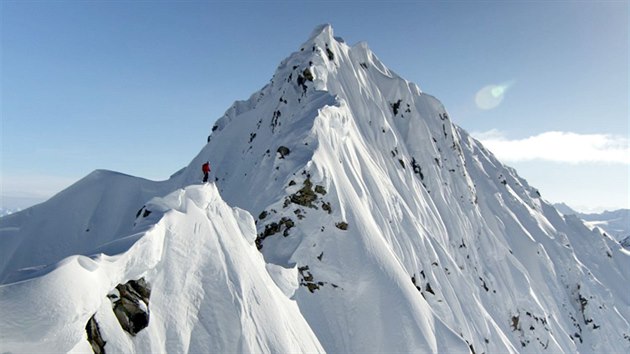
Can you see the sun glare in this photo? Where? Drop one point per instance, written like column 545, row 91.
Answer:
column 491, row 96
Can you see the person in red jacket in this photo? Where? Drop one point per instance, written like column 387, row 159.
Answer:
column 206, row 169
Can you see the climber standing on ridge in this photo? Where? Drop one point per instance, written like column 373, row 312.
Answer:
column 206, row 169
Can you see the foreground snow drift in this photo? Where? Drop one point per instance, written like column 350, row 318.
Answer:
column 211, row 291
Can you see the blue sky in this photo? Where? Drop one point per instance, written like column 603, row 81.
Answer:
column 136, row 86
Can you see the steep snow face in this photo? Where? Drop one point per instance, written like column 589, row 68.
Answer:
column 211, row 291
column 429, row 223
column 400, row 232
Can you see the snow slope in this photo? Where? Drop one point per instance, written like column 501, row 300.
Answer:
column 96, row 210
column 198, row 254
column 423, row 200
column 401, row 231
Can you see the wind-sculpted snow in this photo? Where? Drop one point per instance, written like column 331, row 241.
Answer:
column 423, row 201
column 400, row 231
column 210, row 290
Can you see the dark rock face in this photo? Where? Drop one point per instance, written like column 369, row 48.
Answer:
column 395, row 106
column 273, row 228
column 320, row 189
column 307, row 279
column 307, row 74
column 94, row 336
column 305, row 196
column 283, row 151
column 342, row 225
column 330, row 54
column 132, row 307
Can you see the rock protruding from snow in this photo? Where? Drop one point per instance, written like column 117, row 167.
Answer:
column 131, row 305
column 94, row 336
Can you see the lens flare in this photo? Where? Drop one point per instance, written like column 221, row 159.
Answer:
column 491, row 96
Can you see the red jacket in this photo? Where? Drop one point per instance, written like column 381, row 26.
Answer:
column 205, row 167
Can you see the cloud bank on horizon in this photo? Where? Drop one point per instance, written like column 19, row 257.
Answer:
column 558, row 146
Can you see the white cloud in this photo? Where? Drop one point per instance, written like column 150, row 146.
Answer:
column 558, row 146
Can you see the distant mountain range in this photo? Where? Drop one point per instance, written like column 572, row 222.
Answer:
column 12, row 204
column 7, row 211
column 615, row 223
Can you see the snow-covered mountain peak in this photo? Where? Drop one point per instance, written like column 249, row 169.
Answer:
column 397, row 178
column 321, row 34
column 388, row 226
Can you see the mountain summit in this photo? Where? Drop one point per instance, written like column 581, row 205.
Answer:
column 347, row 213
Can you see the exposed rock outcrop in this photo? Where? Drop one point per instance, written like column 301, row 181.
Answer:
column 94, row 336
column 283, row 151
column 131, row 305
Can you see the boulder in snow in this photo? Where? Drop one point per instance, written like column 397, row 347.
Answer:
column 132, row 305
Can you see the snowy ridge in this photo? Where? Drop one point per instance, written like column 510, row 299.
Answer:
column 201, row 261
column 384, row 227
column 98, row 209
